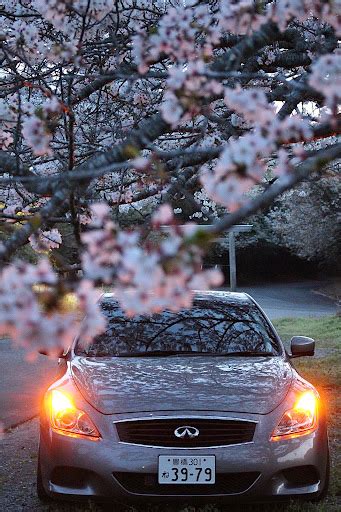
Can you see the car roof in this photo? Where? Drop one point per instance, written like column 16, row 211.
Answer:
column 221, row 296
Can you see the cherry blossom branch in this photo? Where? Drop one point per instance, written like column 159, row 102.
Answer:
column 21, row 235
column 313, row 164
column 149, row 130
column 232, row 59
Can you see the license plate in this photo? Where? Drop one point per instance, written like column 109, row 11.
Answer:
column 186, row 469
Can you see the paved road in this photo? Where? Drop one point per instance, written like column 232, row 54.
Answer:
column 22, row 382
column 291, row 299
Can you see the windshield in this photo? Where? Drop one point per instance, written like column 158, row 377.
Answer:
column 209, row 328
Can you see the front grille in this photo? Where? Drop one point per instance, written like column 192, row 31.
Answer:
column 147, row 483
column 160, row 432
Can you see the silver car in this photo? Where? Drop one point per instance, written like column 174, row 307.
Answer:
column 203, row 404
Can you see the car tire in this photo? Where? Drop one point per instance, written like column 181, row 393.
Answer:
column 41, row 493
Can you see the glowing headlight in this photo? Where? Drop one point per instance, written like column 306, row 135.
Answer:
column 67, row 419
column 298, row 421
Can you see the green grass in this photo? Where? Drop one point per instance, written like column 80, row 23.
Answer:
column 323, row 371
column 325, row 330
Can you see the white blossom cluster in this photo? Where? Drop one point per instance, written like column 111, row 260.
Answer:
column 178, row 29
column 22, row 315
column 57, row 11
column 242, row 164
column 36, row 129
column 7, row 119
column 326, row 78
column 184, row 88
column 177, row 37
column 147, row 277
column 43, row 241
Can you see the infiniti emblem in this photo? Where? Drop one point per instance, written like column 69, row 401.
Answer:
column 186, row 430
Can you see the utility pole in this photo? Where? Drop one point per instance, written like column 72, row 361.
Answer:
column 237, row 228
column 232, row 262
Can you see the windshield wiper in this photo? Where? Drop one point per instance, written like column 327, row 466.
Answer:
column 163, row 353
column 249, row 353
column 167, row 353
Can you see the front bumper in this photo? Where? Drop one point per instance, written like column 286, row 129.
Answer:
column 75, row 468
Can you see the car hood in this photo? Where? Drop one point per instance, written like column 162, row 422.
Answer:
column 182, row 383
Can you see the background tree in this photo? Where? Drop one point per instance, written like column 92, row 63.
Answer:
column 319, row 239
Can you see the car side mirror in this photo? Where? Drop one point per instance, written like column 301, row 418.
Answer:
column 61, row 355
column 302, row 346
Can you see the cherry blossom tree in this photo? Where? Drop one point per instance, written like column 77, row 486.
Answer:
column 318, row 240
column 107, row 104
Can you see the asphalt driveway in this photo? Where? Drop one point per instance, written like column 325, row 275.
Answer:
column 22, row 383
column 291, row 299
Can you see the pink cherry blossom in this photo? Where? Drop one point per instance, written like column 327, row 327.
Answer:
column 326, row 77
column 37, row 136
column 164, row 215
column 147, row 278
column 22, row 315
column 36, row 129
column 250, row 103
column 43, row 241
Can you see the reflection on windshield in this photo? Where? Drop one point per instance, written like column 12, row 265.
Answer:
column 210, row 327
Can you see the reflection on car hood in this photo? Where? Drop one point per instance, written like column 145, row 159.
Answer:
column 182, row 383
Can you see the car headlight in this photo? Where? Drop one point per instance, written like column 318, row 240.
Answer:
column 67, row 419
column 298, row 421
